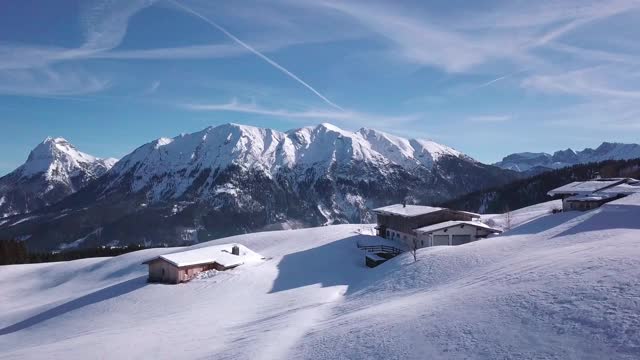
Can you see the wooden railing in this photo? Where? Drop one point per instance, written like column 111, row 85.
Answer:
column 381, row 249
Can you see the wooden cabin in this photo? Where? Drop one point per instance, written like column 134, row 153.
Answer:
column 183, row 266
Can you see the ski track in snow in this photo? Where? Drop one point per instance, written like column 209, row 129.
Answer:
column 562, row 286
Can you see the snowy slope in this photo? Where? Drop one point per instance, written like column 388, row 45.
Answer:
column 521, row 216
column 606, row 151
column 563, row 286
column 53, row 170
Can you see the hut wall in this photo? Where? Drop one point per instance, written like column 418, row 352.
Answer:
column 162, row 271
column 406, row 225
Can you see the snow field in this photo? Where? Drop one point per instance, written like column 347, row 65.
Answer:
column 558, row 286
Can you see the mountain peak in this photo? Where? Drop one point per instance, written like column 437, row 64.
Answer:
column 54, row 169
column 54, row 140
column 58, row 159
column 329, row 126
column 569, row 157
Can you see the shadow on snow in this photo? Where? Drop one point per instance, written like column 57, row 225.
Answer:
column 336, row 263
column 611, row 217
column 89, row 299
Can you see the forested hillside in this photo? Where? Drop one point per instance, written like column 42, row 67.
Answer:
column 533, row 190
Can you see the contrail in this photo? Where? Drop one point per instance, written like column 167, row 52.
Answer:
column 256, row 52
column 498, row 79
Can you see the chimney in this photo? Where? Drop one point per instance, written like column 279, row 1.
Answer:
column 235, row 250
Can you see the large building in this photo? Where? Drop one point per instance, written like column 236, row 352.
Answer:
column 591, row 194
column 422, row 226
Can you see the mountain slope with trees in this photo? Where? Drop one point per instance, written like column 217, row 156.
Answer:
column 533, row 190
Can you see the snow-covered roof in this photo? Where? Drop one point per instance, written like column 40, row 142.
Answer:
column 448, row 224
column 586, row 187
column 408, row 210
column 631, row 200
column 598, row 196
column 416, row 210
column 622, row 189
column 220, row 254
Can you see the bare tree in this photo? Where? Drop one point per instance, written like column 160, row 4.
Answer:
column 413, row 247
column 508, row 219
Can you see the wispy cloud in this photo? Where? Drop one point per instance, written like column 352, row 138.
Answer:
column 153, row 87
column 466, row 41
column 352, row 117
column 106, row 22
column 599, row 81
column 105, row 25
column 28, row 70
column 488, row 119
column 49, row 82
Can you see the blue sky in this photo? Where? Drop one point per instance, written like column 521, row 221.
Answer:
column 488, row 78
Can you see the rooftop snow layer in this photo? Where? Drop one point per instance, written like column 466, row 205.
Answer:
column 624, row 189
column 585, row 187
column 408, row 210
column 591, row 197
column 631, row 200
column 448, row 224
column 220, row 254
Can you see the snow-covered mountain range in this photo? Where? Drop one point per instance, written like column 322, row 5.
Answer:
column 232, row 179
column 53, row 170
column 167, row 168
column 538, row 162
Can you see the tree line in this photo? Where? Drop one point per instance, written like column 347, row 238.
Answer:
column 533, row 190
column 17, row 252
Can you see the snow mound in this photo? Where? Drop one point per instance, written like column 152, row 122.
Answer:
column 558, row 286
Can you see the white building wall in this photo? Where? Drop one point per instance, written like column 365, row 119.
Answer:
column 401, row 237
column 425, row 240
column 474, row 233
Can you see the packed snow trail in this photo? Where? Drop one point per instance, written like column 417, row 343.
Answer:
column 559, row 286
